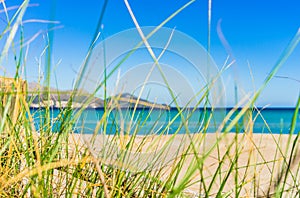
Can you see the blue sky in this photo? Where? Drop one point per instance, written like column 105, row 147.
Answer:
column 257, row 32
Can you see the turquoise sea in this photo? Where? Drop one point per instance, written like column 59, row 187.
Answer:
column 146, row 121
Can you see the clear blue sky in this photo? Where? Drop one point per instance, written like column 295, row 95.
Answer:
column 257, row 32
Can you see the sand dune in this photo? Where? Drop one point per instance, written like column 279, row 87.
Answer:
column 259, row 161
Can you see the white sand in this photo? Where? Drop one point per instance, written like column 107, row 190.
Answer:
column 260, row 159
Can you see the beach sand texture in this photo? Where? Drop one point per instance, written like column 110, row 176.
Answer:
column 259, row 160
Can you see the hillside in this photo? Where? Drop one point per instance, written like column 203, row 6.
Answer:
column 37, row 97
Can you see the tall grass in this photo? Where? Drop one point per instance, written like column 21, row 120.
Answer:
column 38, row 162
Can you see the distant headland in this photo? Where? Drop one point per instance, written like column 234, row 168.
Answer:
column 38, row 96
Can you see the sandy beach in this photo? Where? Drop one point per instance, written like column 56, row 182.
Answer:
column 259, row 162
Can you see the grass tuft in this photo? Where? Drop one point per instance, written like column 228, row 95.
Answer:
column 46, row 157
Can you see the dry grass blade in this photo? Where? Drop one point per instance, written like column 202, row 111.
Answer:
column 42, row 156
column 101, row 175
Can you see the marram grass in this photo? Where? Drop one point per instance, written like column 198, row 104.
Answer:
column 41, row 163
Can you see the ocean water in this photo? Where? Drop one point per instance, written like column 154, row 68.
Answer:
column 156, row 121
